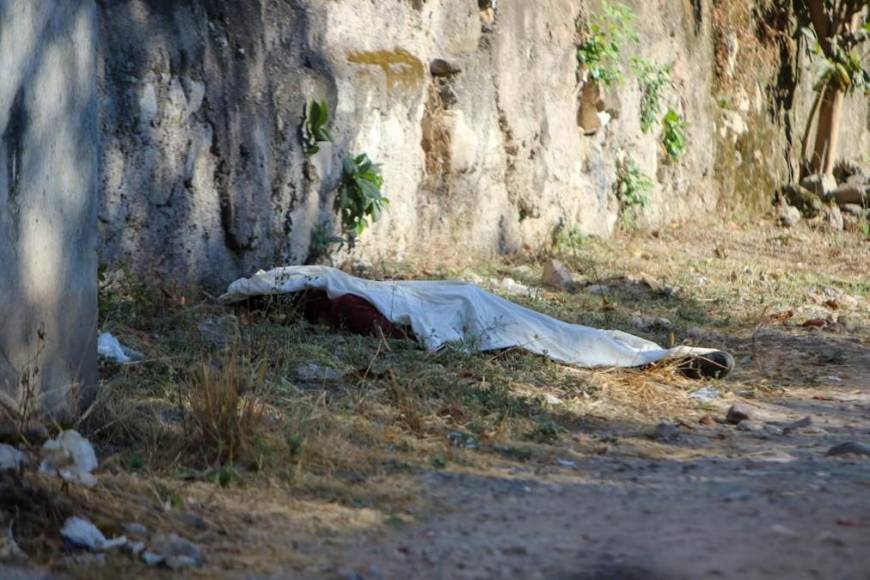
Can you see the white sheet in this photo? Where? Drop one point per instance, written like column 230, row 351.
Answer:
column 446, row 312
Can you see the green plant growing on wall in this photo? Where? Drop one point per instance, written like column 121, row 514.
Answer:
column 322, row 241
column 360, row 200
column 570, row 241
column 674, row 135
column 605, row 36
column 632, row 190
column 314, row 129
column 653, row 81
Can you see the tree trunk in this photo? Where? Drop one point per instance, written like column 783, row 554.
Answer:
column 827, row 131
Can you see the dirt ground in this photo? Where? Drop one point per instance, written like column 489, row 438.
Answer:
column 401, row 464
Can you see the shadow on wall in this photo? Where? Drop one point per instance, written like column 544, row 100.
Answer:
column 201, row 164
column 48, row 160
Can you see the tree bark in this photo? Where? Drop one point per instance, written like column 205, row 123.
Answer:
column 827, row 130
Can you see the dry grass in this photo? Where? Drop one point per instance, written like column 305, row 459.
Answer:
column 215, row 422
column 224, row 409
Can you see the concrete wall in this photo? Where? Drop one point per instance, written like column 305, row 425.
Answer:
column 203, row 178
column 48, row 202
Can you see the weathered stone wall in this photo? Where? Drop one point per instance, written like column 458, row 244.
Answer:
column 48, row 202
column 203, row 177
column 764, row 95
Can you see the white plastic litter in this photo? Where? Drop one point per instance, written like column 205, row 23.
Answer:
column 71, row 456
column 11, row 459
column 110, row 347
column 552, row 399
column 512, row 288
column 705, row 395
column 81, row 533
column 445, row 312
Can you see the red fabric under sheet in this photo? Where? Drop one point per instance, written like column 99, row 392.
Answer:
column 349, row 312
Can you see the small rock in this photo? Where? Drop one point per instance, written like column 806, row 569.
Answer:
column 828, row 538
column 193, row 520
column 738, row 413
column 313, row 372
column 788, row 216
column 801, row 424
column 174, row 552
column 750, row 426
column 463, row 440
column 852, row 209
column 820, row 185
column 773, row 430
column 707, row 420
column 807, row 202
column 135, row 530
column 666, row 433
column 556, row 275
column 651, row 283
column 136, row 548
column 440, row 67
column 849, row 448
column 152, row 559
column 597, row 289
column 833, row 218
column 518, row 550
column 737, row 495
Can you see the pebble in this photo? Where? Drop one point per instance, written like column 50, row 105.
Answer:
column 666, row 433
column 849, row 448
column 738, row 413
column 801, row 424
column 136, row 548
column 707, row 420
column 556, row 275
column 173, row 551
column 440, row 67
column 750, row 426
column 788, row 216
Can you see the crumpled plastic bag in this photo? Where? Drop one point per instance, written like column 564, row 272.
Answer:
column 111, row 348
column 71, row 456
column 81, row 533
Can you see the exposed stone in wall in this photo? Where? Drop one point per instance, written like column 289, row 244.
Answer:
column 203, row 175
column 48, row 203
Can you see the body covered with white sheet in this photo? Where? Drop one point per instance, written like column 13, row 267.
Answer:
column 447, row 312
